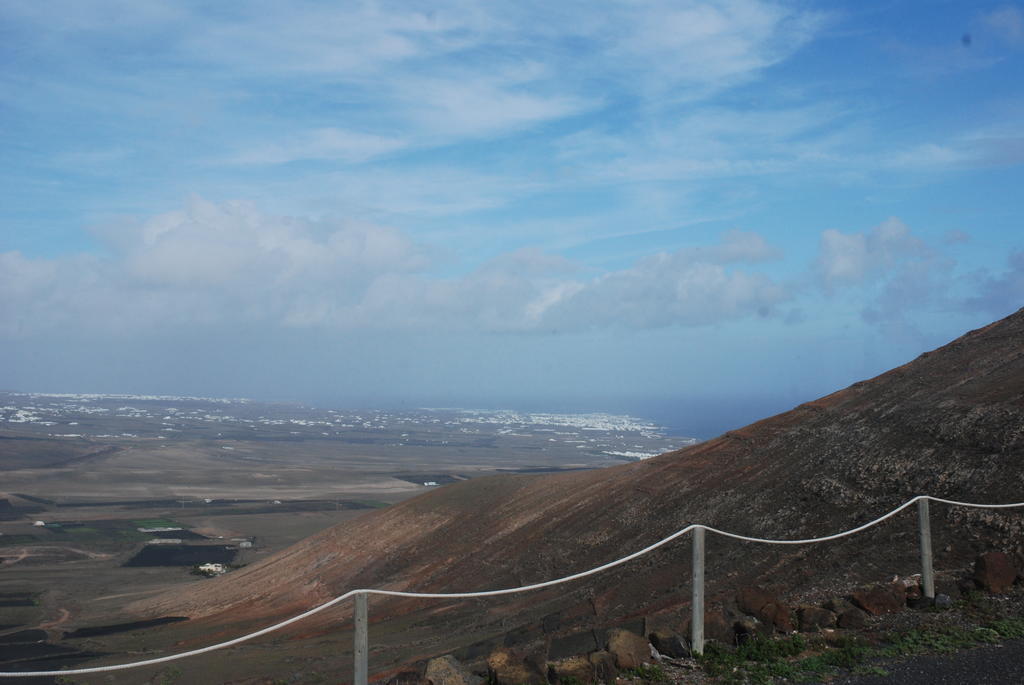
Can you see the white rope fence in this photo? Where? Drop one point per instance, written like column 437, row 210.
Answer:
column 697, row 529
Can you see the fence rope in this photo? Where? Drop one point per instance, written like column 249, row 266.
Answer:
column 492, row 593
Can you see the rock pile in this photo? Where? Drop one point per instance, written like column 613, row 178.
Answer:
column 755, row 612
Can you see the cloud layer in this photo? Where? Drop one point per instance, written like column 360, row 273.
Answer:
column 231, row 265
column 210, row 263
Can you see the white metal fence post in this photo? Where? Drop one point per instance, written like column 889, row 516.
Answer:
column 361, row 642
column 925, row 526
column 697, row 606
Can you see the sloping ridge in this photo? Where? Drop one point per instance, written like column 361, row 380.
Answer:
column 949, row 424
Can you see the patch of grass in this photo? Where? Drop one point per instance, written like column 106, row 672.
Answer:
column 648, row 672
column 765, row 661
column 945, row 639
column 759, row 661
column 846, row 654
column 760, row 650
column 1008, row 628
column 870, row 670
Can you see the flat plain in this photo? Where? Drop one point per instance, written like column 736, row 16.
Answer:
column 105, row 499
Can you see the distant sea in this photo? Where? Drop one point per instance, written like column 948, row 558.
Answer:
column 691, row 417
column 706, row 418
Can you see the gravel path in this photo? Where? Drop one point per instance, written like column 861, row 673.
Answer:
column 995, row 665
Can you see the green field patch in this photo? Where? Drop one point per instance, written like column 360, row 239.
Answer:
column 132, row 534
column 156, row 523
column 6, row 540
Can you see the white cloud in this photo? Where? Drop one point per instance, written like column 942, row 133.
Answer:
column 851, row 258
column 983, row 147
column 476, row 105
column 209, row 263
column 320, row 144
column 713, row 44
column 1007, row 23
column 706, row 142
column 999, row 294
column 666, row 290
column 928, row 156
column 895, row 275
column 228, row 264
column 453, row 67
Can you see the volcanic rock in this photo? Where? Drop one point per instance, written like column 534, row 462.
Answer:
column 511, row 667
column 994, row 572
column 629, row 649
column 880, row 599
column 767, row 608
column 669, row 644
column 837, row 605
column 573, row 669
column 814, row 618
column 717, row 626
column 852, row 619
column 445, row 670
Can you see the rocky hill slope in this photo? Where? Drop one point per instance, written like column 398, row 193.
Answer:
column 950, row 424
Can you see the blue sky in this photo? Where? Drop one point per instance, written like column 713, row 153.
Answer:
column 672, row 207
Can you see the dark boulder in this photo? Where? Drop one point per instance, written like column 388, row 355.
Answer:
column 717, row 626
column 852, row 619
column 669, row 644
column 837, row 605
column 880, row 599
column 766, row 607
column 994, row 572
column 812, row 619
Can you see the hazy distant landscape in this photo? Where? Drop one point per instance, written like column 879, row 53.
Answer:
column 107, row 498
column 127, row 417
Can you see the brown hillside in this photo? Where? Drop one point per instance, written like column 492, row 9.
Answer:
column 950, row 423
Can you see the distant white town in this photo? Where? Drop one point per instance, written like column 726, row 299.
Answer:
column 160, row 417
